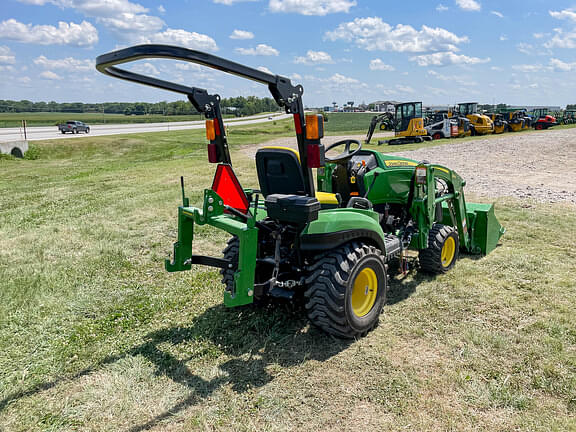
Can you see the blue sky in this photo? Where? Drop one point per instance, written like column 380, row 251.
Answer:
column 439, row 51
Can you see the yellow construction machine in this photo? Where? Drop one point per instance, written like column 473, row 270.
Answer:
column 500, row 124
column 480, row 124
column 409, row 124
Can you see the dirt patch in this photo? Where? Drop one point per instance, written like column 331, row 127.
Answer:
column 537, row 165
column 533, row 166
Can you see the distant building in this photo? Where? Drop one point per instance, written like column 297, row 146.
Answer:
column 383, row 106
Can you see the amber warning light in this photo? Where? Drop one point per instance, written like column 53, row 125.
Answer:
column 314, row 127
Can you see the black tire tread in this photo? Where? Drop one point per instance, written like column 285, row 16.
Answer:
column 430, row 258
column 327, row 281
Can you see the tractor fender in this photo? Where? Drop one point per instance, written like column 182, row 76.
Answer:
column 335, row 227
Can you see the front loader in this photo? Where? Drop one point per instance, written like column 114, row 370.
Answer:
column 327, row 245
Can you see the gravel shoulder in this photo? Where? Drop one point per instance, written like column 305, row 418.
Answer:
column 530, row 166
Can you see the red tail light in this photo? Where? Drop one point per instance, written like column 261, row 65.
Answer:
column 212, row 153
column 314, row 156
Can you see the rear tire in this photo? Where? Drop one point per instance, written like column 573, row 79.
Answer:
column 437, row 136
column 87, row 130
column 347, row 290
column 442, row 251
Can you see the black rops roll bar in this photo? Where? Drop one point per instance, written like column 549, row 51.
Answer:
column 284, row 93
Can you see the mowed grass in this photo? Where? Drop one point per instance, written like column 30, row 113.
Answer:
column 96, row 336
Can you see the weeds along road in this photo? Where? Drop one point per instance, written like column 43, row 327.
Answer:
column 51, row 132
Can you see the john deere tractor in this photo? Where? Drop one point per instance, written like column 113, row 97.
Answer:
column 327, row 245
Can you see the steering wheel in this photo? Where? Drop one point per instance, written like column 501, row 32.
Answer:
column 347, row 153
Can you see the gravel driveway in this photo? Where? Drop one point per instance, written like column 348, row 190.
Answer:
column 527, row 165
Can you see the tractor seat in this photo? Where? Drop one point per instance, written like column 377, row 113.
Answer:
column 280, row 172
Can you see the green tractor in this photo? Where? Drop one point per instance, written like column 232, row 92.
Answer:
column 328, row 246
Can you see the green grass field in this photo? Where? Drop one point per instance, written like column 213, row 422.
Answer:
column 347, row 122
column 96, row 336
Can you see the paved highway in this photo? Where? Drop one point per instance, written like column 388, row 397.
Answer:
column 51, row 132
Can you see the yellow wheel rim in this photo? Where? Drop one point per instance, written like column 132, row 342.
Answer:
column 448, row 252
column 364, row 292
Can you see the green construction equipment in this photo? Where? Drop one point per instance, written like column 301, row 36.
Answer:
column 327, row 244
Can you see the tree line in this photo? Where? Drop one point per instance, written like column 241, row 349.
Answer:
column 239, row 106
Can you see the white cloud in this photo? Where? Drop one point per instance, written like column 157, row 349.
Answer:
column 560, row 66
column 82, row 35
column 442, row 8
column 503, row 37
column 183, row 38
column 525, row 48
column 146, row 69
column 498, row 14
column 49, row 75
column 526, row 68
column 562, row 39
column 447, row 58
column 264, row 69
column 567, row 14
column 378, row 64
column 468, row 5
column 69, row 64
column 231, row 2
column 314, row 57
column 188, row 67
column 126, row 23
column 341, row 79
column 120, row 16
column 260, row 50
column 311, row 7
column 374, row 34
column 6, row 56
column 459, row 79
column 496, row 68
column 241, row 34
column 94, row 8
column 161, row 9
column 405, row 89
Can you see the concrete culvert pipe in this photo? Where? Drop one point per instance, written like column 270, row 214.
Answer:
column 14, row 148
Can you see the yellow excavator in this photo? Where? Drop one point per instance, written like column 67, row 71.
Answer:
column 480, row 124
column 409, row 124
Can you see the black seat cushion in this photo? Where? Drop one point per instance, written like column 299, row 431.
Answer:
column 279, row 172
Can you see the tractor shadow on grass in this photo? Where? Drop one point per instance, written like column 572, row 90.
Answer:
column 253, row 338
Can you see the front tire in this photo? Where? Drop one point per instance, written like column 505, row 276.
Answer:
column 347, row 290
column 442, row 251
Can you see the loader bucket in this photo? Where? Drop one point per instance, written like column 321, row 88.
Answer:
column 485, row 230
